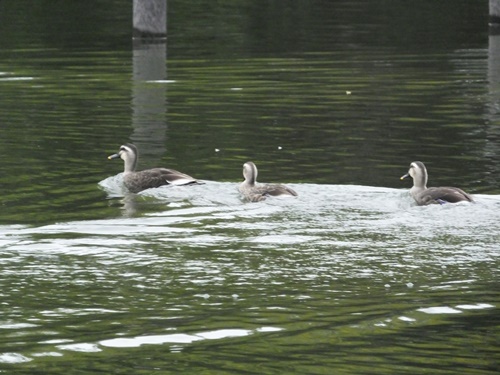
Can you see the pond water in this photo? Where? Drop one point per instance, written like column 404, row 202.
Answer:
column 335, row 99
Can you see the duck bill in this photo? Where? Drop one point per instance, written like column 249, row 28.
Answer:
column 404, row 176
column 114, row 156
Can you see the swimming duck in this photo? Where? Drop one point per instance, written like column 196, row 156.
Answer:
column 255, row 192
column 149, row 178
column 424, row 195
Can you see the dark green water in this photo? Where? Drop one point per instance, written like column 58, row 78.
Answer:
column 333, row 98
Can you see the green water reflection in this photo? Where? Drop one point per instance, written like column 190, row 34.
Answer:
column 313, row 119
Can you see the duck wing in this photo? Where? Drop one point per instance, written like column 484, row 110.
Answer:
column 444, row 195
column 259, row 192
column 277, row 190
column 156, row 177
column 174, row 177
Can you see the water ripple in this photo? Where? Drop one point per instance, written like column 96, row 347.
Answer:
column 349, row 258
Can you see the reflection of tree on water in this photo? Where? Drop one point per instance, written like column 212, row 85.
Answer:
column 149, row 72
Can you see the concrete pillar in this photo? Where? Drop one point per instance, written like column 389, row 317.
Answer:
column 150, row 18
column 495, row 12
column 494, row 52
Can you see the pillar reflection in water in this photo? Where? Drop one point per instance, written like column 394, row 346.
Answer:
column 493, row 108
column 149, row 100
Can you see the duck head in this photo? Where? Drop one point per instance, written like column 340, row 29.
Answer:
column 418, row 172
column 129, row 154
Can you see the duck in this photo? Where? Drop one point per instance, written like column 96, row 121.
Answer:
column 137, row 181
column 434, row 195
column 255, row 192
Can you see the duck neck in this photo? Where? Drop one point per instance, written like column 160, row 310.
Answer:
column 422, row 182
column 252, row 176
column 419, row 184
column 130, row 165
